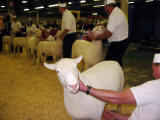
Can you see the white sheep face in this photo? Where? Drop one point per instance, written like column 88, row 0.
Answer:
column 67, row 72
column 98, row 30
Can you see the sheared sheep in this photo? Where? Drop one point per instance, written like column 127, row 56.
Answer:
column 7, row 40
column 33, row 43
column 49, row 49
column 19, row 42
column 91, row 51
column 105, row 75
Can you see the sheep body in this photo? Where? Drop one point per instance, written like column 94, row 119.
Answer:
column 33, row 44
column 91, row 51
column 19, row 42
column 50, row 49
column 105, row 75
column 7, row 40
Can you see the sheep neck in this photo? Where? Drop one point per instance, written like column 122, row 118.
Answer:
column 97, row 44
column 59, row 44
column 97, row 47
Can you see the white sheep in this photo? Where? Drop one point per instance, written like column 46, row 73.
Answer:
column 105, row 75
column 51, row 38
column 33, row 43
column 49, row 49
column 91, row 51
column 7, row 40
column 19, row 42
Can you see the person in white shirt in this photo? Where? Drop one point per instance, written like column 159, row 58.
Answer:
column 31, row 28
column 16, row 27
column 116, row 32
column 145, row 96
column 68, row 29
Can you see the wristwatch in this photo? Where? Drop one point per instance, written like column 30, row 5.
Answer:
column 88, row 90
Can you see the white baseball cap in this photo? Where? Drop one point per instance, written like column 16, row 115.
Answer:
column 107, row 2
column 156, row 58
column 63, row 5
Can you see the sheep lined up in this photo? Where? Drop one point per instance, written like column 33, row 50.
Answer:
column 46, row 48
column 19, row 42
column 33, row 44
column 7, row 40
column 91, row 51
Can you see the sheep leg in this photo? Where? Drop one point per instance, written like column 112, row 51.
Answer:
column 39, row 58
column 10, row 48
column 3, row 46
column 29, row 52
column 44, row 59
column 14, row 51
column 34, row 55
column 54, row 59
column 18, row 49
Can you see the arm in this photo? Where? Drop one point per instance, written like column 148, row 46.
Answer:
column 64, row 33
column 125, row 97
column 102, row 36
column 107, row 34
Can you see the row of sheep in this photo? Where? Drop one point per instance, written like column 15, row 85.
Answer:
column 34, row 46
column 39, row 50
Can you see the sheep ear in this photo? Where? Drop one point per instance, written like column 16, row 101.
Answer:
column 78, row 60
column 50, row 66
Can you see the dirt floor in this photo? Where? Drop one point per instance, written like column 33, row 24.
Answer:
column 29, row 92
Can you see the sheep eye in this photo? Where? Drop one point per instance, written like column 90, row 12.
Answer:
column 57, row 71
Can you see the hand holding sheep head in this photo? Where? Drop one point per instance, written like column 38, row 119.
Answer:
column 67, row 72
column 98, row 30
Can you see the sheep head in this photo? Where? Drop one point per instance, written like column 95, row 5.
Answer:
column 98, row 30
column 67, row 72
column 38, row 33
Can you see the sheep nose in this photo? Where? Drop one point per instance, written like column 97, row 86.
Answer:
column 73, row 87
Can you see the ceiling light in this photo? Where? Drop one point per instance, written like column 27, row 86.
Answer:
column 70, row 3
column 82, row 1
column 149, row 0
column 27, row 9
column 94, row 13
column 41, row 7
column 55, row 5
column 2, row 6
column 131, row 2
column 24, row 1
column 98, row 6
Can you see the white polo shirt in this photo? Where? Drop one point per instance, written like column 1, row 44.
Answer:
column 148, row 101
column 16, row 27
column 68, row 22
column 31, row 30
column 118, row 25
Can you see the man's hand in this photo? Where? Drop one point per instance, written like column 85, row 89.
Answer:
column 82, row 86
column 108, row 115
column 61, row 36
